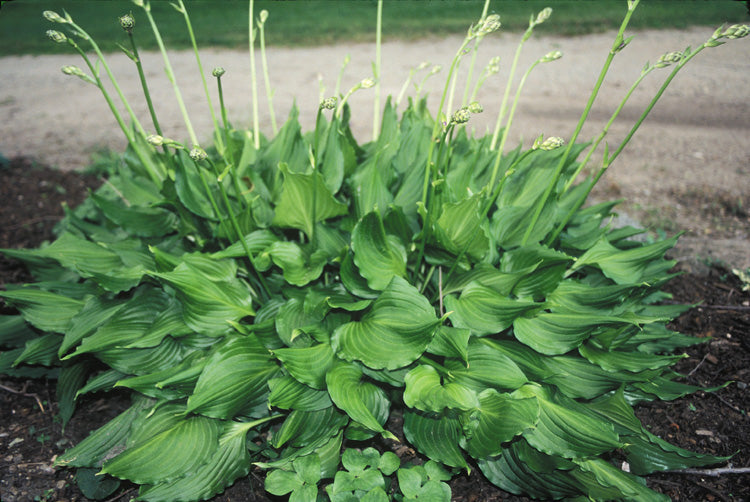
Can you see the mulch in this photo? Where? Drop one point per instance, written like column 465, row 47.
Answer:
column 31, row 434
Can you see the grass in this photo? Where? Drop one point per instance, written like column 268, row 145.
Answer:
column 315, row 22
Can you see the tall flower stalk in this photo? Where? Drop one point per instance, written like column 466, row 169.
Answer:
column 262, row 17
column 619, row 44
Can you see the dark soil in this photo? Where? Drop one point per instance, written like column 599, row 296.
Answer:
column 715, row 423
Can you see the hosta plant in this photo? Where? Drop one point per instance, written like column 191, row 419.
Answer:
column 278, row 300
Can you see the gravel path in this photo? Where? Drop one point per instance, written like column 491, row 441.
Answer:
column 688, row 167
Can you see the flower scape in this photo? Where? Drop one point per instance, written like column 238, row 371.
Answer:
column 274, row 300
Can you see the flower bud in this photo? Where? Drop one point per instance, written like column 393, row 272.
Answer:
column 263, row 16
column 367, row 83
column 551, row 56
column 491, row 23
column 423, row 65
column 127, row 22
column 475, row 107
column 668, row 58
column 155, row 140
column 551, row 143
column 77, row 72
column 461, row 116
column 218, row 72
column 54, row 17
column 328, row 103
column 435, row 69
column 56, row 36
column 198, row 154
column 543, row 15
column 736, row 31
column 138, row 3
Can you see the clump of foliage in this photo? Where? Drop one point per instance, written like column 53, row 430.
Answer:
column 274, row 301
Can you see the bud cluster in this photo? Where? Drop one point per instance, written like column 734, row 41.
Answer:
column 733, row 32
column 669, row 58
column 329, row 103
column 462, row 115
column 127, row 22
column 263, row 16
column 543, row 15
column 198, row 154
column 56, row 36
column 367, row 83
column 487, row 25
column 551, row 56
column 218, row 72
column 493, row 66
column 54, row 17
column 77, row 72
column 551, row 143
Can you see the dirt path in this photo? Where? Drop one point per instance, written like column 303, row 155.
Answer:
column 688, row 168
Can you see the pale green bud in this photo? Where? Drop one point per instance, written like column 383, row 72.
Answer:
column 736, row 31
column 461, row 116
column 54, row 17
column 367, row 83
column 56, row 36
column 551, row 143
column 138, row 3
column 491, row 23
column 155, row 140
column 127, row 22
column 551, row 56
column 198, row 154
column 543, row 15
column 475, row 107
column 263, row 16
column 423, row 65
column 77, row 72
column 218, row 72
column 329, row 103
column 435, row 69
column 668, row 58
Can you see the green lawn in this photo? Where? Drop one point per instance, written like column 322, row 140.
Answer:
column 224, row 22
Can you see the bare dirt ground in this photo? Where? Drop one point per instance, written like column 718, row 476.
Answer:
column 687, row 168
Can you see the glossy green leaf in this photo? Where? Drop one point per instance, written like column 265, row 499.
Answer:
column 378, row 257
column 288, row 393
column 350, row 393
column 142, row 221
column 305, row 200
column 308, row 365
column 425, row 391
column 393, row 334
column 299, row 266
column 486, row 367
column 484, row 311
column 234, row 379
column 459, row 227
column 208, row 306
column 498, row 419
column 436, row 436
column 43, row 309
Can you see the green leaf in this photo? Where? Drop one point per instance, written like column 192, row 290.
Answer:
column 309, row 365
column 484, row 311
column 618, row 361
column 486, row 367
column 142, row 221
column 41, row 350
column 394, row 333
column 72, row 378
column 437, row 437
column 425, row 391
column 353, row 395
column 305, row 200
column 288, row 393
column 43, row 309
column 229, row 461
column 608, row 476
column 105, row 442
column 498, row 419
column 95, row 487
column 169, row 454
column 301, row 428
column 208, row 306
column 379, row 257
column 190, row 188
column 566, row 431
column 234, row 379
column 298, row 265
column 459, row 227
column 624, row 267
